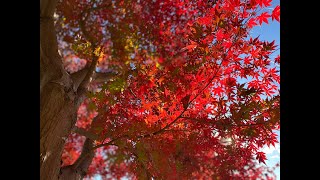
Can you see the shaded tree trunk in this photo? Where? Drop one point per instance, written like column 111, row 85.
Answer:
column 79, row 169
column 59, row 100
column 60, row 97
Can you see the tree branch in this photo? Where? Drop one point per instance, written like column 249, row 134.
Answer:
column 197, row 120
column 100, row 77
column 82, row 88
column 97, row 77
column 83, row 162
column 80, row 167
column 111, row 142
column 78, row 77
column 85, row 133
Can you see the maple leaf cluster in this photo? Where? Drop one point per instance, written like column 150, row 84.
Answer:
column 176, row 108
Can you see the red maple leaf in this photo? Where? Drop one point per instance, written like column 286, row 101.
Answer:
column 276, row 13
column 247, row 60
column 204, row 20
column 261, row 157
column 220, row 35
column 190, row 47
column 265, row 3
column 227, row 44
column 272, row 140
column 255, row 53
column 218, row 91
column 263, row 17
column 252, row 22
column 277, row 59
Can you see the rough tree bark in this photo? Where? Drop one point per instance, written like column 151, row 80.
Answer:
column 60, row 97
column 58, row 101
column 79, row 169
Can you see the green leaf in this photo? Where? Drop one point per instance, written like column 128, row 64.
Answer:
column 117, row 85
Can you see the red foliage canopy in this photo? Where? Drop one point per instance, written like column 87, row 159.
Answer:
column 176, row 108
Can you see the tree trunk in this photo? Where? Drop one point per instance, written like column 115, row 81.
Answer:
column 58, row 100
column 57, row 117
column 60, row 97
column 79, row 169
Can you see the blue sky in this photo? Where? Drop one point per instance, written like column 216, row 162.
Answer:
column 271, row 32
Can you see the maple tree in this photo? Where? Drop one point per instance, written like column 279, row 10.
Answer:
column 150, row 89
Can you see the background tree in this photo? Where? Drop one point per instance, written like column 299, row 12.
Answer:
column 150, row 89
